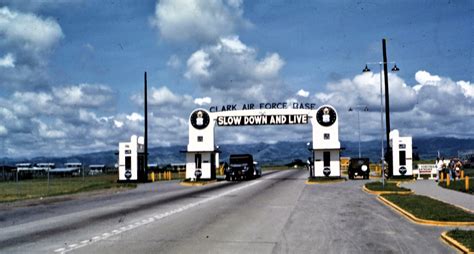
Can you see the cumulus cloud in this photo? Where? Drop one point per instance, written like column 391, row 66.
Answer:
column 29, row 39
column 302, row 93
column 162, row 96
column 435, row 106
column 234, row 69
column 202, row 101
column 201, row 20
column 28, row 30
column 7, row 61
column 364, row 89
column 84, row 95
column 135, row 117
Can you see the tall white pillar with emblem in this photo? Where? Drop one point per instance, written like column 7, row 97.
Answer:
column 326, row 145
column 201, row 153
column 130, row 159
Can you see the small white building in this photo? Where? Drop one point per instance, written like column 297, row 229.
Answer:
column 401, row 154
column 131, row 159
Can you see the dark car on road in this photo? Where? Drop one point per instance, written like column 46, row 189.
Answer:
column 241, row 167
column 359, row 167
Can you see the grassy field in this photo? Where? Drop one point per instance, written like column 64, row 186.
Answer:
column 459, row 185
column 389, row 186
column 36, row 188
column 466, row 237
column 429, row 209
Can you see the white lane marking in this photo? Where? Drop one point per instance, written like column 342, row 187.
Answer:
column 149, row 220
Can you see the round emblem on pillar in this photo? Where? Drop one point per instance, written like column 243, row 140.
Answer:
column 199, row 119
column 326, row 171
column 326, row 116
column 402, row 171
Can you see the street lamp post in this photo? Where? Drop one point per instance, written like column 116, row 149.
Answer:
column 358, row 108
column 387, row 112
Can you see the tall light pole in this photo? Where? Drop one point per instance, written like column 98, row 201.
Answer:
column 145, row 102
column 358, row 108
column 387, row 111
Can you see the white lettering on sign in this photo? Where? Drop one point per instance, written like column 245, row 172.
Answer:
column 262, row 120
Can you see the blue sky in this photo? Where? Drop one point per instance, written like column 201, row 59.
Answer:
column 71, row 71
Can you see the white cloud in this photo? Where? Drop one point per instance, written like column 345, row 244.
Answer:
column 467, row 88
column 47, row 132
column 201, row 20
column 28, row 30
column 163, row 95
column 3, row 130
column 135, row 117
column 7, row 61
column 270, row 66
column 118, row 124
column 29, row 39
column 436, row 106
column 232, row 69
column 424, row 77
column 203, row 101
column 302, row 93
column 198, row 65
column 84, row 95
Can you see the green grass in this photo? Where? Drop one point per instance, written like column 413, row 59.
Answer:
column 427, row 208
column 469, row 172
column 465, row 237
column 36, row 188
column 389, row 186
column 459, row 185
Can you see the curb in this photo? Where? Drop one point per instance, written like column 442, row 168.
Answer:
column 328, row 182
column 454, row 243
column 197, row 183
column 417, row 220
column 386, row 192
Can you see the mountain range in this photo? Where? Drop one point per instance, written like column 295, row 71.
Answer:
column 270, row 154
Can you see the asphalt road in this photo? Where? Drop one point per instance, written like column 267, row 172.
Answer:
column 277, row 213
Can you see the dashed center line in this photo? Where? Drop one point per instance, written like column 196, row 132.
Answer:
column 149, row 220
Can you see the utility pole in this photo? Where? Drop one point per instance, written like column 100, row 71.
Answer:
column 387, row 107
column 145, row 168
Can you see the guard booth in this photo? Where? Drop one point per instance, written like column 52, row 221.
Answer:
column 402, row 163
column 131, row 160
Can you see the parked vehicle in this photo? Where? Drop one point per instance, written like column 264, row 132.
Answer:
column 257, row 170
column 241, row 167
column 359, row 167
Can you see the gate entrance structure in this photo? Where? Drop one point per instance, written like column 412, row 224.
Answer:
column 202, row 154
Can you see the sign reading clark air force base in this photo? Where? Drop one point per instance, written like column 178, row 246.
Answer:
column 202, row 152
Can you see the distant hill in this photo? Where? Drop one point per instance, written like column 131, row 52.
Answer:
column 279, row 153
